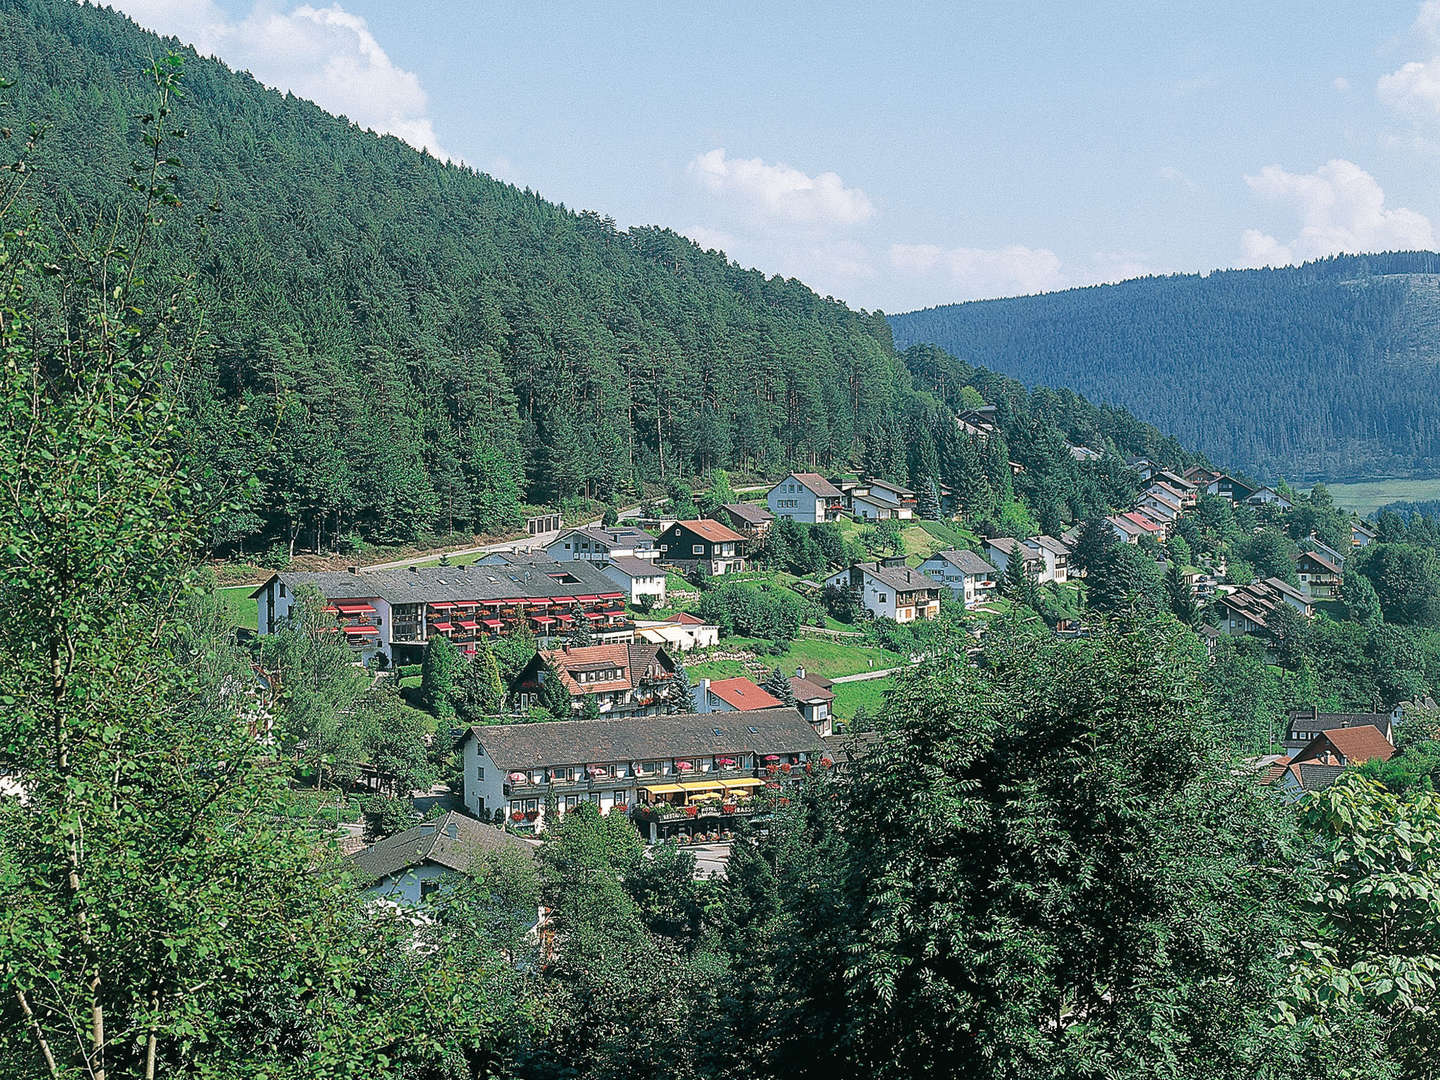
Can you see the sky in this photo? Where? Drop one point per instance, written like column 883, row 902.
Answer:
column 901, row 155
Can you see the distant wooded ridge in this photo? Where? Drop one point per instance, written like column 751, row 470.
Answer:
column 1327, row 371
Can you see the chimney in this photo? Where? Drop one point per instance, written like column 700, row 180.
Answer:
column 452, row 830
column 353, row 569
column 799, row 673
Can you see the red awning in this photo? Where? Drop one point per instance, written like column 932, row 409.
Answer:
column 332, row 609
column 587, row 599
column 612, row 596
column 613, row 611
column 444, row 605
column 562, row 599
column 543, row 620
column 355, row 609
column 593, row 615
column 443, row 627
column 565, row 617
column 360, row 631
column 540, row 601
column 469, row 624
column 493, row 603
column 493, row 624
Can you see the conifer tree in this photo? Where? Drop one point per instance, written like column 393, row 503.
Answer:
column 439, row 670
column 777, row 685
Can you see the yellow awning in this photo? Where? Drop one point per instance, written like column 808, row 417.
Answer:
column 751, row 782
column 700, row 785
column 662, row 789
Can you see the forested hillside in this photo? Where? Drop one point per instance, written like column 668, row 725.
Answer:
column 1325, row 371
column 395, row 347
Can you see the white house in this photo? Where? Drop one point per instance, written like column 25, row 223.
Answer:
column 1159, row 505
column 411, row 865
column 1054, row 558
column 618, row 765
column 1268, row 496
column 806, row 497
column 595, row 544
column 815, row 698
column 679, row 633
column 640, row 578
column 880, row 500
column 969, row 577
column 889, row 591
column 1361, row 534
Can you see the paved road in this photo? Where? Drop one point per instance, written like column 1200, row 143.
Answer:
column 866, row 675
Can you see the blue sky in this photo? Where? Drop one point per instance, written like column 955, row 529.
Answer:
column 901, row 155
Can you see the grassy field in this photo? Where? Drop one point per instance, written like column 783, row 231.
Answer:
column 1367, row 496
column 868, row 692
column 825, row 658
column 245, row 610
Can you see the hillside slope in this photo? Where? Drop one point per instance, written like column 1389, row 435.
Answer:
column 1328, row 370
column 396, row 345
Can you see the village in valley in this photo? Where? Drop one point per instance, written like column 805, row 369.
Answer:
column 680, row 672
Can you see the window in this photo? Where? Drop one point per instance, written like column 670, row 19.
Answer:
column 754, row 731
column 480, row 774
column 882, row 597
column 697, row 549
column 428, row 887
column 282, row 590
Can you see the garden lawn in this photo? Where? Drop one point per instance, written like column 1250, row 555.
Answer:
column 244, row 610
column 828, row 659
column 869, row 693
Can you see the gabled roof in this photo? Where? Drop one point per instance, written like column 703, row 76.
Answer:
column 1164, row 497
column 1170, row 489
column 810, row 692
column 886, row 485
column 900, row 578
column 1050, row 544
column 964, row 560
column 749, row 513
column 1143, row 522
column 1010, row 546
column 740, row 693
column 431, row 842
column 818, row 484
column 1258, row 600
column 633, row 567
column 430, row 584
column 849, row 746
column 1321, row 561
column 684, row 618
column 1313, row 720
column 645, row 738
column 620, row 536
column 713, row 531
column 1363, row 529
column 1346, row 746
column 634, row 660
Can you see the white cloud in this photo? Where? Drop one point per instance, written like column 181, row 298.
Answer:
column 710, row 239
column 1414, row 87
column 977, row 272
column 326, row 54
column 1341, row 83
column 782, row 193
column 1340, row 207
column 1173, row 175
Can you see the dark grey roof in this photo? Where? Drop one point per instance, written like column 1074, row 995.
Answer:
column 1315, row 776
column 1050, row 544
column 618, row 536
column 630, row 566
column 807, row 691
column 847, row 746
column 427, row 584
column 1308, row 720
column 901, row 579
column 964, row 560
column 646, row 738
column 430, row 841
column 749, row 512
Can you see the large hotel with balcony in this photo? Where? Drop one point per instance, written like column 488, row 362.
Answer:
column 689, row 777
column 393, row 613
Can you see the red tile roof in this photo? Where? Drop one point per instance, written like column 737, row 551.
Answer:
column 1349, row 746
column 713, row 531
column 741, row 693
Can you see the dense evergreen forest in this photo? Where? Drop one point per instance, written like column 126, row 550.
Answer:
column 394, row 346
column 1324, row 371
